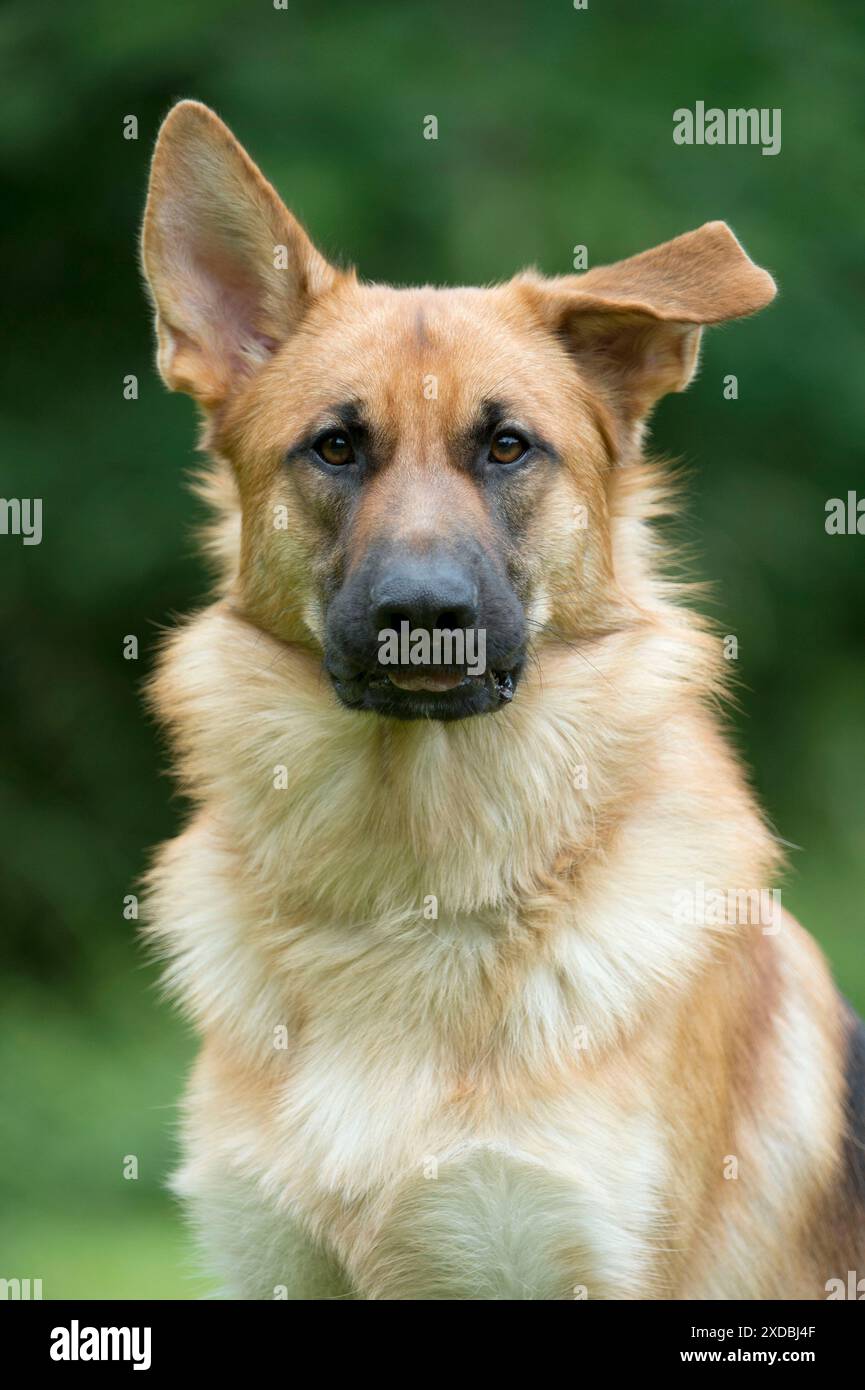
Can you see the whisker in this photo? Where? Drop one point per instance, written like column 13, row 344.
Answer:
column 544, row 628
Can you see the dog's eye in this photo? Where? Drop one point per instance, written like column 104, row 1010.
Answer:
column 507, row 447
column 334, row 448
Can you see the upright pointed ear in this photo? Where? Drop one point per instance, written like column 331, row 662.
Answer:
column 634, row 327
column 230, row 270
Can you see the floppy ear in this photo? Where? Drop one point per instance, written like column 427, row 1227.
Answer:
column 230, row 270
column 635, row 326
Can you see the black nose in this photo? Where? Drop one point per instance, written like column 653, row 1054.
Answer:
column 427, row 594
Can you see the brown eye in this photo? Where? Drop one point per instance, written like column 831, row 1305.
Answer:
column 335, row 448
column 507, row 447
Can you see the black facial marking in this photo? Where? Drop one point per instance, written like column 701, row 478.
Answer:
column 347, row 416
column 854, row 1109
column 502, row 416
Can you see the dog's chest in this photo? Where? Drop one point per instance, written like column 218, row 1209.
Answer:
column 489, row 1220
column 470, row 1196
column 437, row 1149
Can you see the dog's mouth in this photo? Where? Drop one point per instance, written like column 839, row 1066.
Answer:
column 427, row 692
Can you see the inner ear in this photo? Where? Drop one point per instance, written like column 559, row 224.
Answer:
column 634, row 327
column 634, row 359
column 231, row 271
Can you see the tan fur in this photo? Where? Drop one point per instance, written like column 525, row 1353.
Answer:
column 535, row 1093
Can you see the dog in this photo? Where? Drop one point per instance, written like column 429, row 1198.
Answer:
column 469, row 1028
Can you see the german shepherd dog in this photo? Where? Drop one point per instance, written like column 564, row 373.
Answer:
column 484, row 1012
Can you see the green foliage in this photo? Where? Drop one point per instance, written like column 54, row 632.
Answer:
column 554, row 129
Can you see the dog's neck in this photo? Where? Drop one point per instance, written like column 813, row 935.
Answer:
column 364, row 815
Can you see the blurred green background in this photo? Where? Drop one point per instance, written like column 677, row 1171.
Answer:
column 555, row 128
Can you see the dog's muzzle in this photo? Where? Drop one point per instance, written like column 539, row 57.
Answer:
column 436, row 636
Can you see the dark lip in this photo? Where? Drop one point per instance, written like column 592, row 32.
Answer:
column 373, row 693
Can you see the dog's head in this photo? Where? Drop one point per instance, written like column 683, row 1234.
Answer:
column 424, row 474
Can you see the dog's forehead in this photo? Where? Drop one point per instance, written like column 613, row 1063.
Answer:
column 421, row 366
column 426, row 316
column 391, row 349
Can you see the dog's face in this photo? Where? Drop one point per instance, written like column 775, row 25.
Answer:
column 413, row 462
column 424, row 474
